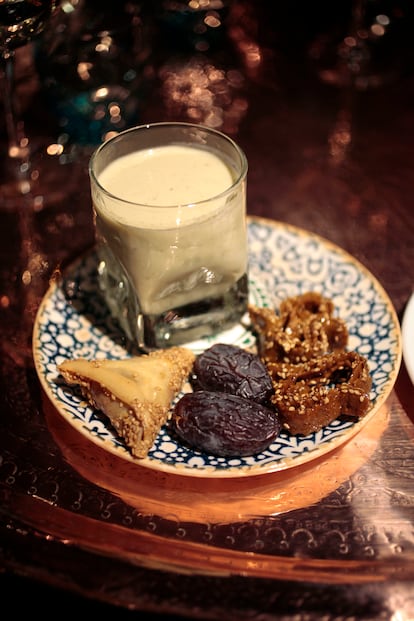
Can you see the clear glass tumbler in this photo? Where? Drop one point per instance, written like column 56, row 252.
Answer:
column 170, row 211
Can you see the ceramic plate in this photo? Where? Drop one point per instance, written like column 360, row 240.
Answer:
column 72, row 321
column 408, row 337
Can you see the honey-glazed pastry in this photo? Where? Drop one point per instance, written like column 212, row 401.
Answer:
column 305, row 327
column 315, row 379
column 135, row 393
column 310, row 395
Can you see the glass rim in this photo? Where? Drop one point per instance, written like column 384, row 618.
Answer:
column 179, row 124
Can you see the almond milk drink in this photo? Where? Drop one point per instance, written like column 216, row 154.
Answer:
column 170, row 211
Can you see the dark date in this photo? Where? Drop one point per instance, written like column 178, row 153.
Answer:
column 224, row 425
column 231, row 369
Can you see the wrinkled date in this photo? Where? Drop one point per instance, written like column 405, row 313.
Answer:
column 231, row 369
column 224, row 425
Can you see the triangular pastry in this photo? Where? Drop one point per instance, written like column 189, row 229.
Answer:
column 134, row 393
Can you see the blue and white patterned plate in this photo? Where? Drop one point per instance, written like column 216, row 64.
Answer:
column 73, row 321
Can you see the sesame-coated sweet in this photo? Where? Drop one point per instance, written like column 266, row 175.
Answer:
column 134, row 393
column 303, row 328
column 315, row 379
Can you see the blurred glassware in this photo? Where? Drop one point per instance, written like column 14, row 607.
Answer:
column 20, row 22
column 369, row 49
column 192, row 26
column 95, row 68
column 200, row 72
column 38, row 181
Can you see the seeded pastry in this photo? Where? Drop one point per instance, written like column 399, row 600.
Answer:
column 135, row 394
column 315, row 379
column 312, row 394
column 305, row 327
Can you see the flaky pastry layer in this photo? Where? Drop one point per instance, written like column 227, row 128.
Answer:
column 135, row 393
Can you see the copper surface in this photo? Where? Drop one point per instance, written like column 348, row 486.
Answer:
column 330, row 539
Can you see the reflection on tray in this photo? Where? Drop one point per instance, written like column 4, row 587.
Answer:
column 188, row 499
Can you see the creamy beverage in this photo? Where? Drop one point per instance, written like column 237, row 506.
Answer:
column 171, row 221
column 166, row 176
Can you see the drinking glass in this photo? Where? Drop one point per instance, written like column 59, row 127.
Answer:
column 21, row 198
column 95, row 68
column 170, row 207
column 20, row 22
